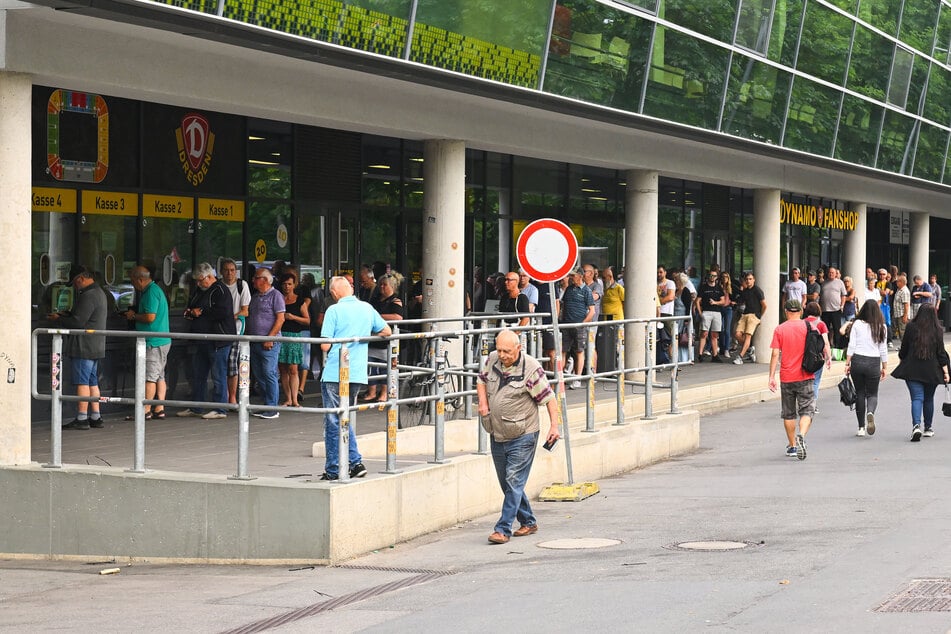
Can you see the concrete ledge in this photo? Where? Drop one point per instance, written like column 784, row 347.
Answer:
column 95, row 513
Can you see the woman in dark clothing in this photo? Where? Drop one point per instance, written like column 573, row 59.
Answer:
column 924, row 364
column 296, row 319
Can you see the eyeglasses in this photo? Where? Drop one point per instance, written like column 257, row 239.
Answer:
column 260, row 277
column 511, row 279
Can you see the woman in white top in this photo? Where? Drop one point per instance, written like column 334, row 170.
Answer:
column 866, row 360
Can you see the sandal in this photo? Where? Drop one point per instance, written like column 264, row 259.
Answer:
column 148, row 416
column 159, row 414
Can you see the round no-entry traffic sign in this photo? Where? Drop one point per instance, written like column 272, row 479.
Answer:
column 547, row 250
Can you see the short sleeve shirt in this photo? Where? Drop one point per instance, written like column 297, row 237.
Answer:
column 263, row 312
column 240, row 296
column 349, row 317
column 752, row 299
column 663, row 289
column 153, row 301
column 709, row 294
column 575, row 302
column 831, row 297
column 795, row 290
column 790, row 339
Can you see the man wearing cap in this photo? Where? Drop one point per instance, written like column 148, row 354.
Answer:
column 794, row 288
column 85, row 352
column 812, row 288
column 577, row 307
column 796, row 385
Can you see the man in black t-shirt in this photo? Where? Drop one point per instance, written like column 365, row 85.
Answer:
column 710, row 299
column 754, row 301
column 513, row 301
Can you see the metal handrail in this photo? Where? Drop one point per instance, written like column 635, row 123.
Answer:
column 467, row 371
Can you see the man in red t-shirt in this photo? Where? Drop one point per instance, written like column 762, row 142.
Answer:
column 796, row 390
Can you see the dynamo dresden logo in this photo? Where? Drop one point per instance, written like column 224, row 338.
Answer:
column 196, row 143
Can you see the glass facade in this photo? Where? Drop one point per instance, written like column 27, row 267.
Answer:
column 865, row 82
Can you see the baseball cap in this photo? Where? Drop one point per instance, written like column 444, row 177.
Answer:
column 796, row 269
column 793, row 305
column 576, row 272
column 811, row 273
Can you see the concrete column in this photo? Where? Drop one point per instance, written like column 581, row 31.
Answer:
column 640, row 258
column 919, row 243
column 855, row 241
column 444, row 231
column 766, row 243
column 15, row 227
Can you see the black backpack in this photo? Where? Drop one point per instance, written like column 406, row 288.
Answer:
column 814, row 354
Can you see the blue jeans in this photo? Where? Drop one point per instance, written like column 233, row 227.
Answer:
column 815, row 384
column 726, row 335
column 209, row 358
column 513, row 462
column 264, row 367
column 331, row 395
column 922, row 400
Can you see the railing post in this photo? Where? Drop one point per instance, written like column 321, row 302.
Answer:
column 619, row 354
column 138, row 451
column 483, row 359
column 589, row 384
column 466, row 367
column 439, row 456
column 244, row 423
column 56, row 404
column 343, row 441
column 650, row 341
column 393, row 392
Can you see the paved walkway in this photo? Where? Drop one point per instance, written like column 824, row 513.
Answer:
column 829, row 541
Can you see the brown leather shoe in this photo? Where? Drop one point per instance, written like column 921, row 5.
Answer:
column 526, row 530
column 498, row 538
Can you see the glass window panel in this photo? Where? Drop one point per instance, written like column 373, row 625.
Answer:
column 882, row 14
column 499, row 41
column 310, row 244
column 647, row 5
column 943, row 37
column 812, row 116
column 784, row 36
column 918, row 20
column 894, row 149
column 710, row 17
column 382, row 171
column 52, row 256
column 916, row 87
column 825, row 43
column 752, row 28
column 947, row 169
column 219, row 239
column 858, row 131
column 539, row 188
column 685, row 80
column 938, row 102
column 596, row 54
column 930, row 153
column 264, row 218
column 901, row 77
column 270, row 159
column 593, row 189
column 756, row 100
column 869, row 65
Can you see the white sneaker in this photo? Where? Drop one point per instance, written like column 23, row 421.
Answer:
column 928, row 433
column 213, row 414
column 737, row 361
column 860, row 432
column 574, row 385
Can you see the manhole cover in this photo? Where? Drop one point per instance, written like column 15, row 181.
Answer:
column 920, row 595
column 581, row 542
column 710, row 545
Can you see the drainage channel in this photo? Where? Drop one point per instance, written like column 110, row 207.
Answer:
column 419, row 576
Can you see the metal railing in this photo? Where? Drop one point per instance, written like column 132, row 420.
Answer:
column 474, row 337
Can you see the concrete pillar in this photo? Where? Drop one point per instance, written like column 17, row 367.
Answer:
column 919, row 244
column 766, row 243
column 444, row 231
column 855, row 258
column 640, row 258
column 15, row 227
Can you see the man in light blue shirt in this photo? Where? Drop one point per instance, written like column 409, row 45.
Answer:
column 348, row 318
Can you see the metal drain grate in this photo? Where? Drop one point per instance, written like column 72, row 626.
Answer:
column 421, row 576
column 920, row 595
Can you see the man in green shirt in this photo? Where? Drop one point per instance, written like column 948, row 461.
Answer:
column 151, row 316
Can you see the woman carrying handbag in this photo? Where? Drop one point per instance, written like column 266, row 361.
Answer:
column 924, row 364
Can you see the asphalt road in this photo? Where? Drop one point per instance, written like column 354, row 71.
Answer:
column 828, row 541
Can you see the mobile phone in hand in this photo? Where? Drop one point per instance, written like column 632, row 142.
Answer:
column 550, row 444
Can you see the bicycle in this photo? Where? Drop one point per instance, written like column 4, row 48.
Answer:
column 423, row 384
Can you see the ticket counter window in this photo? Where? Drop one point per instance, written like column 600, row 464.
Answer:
column 268, row 226
column 220, row 231
column 167, row 251
column 51, row 257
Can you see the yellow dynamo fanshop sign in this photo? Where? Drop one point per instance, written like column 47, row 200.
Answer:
column 817, row 216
